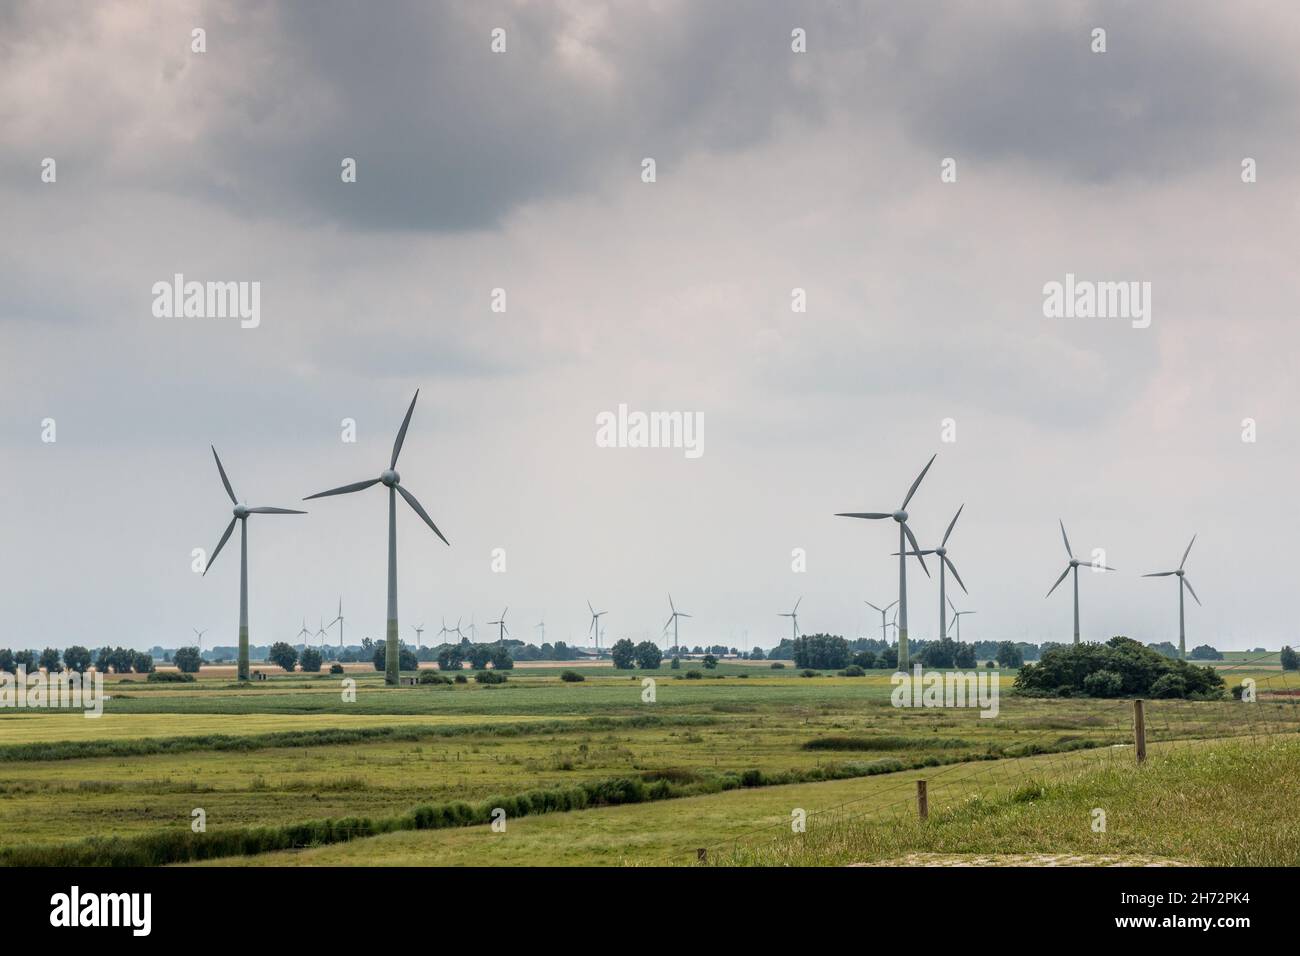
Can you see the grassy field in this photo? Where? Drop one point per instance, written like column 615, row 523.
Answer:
column 727, row 752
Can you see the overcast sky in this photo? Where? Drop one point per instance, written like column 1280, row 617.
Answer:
column 523, row 170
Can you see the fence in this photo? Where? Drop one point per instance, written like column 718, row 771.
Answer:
column 1130, row 731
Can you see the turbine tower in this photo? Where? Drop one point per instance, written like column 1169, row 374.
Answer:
column 884, row 626
column 1073, row 566
column 419, row 629
column 304, row 632
column 595, row 625
column 904, row 536
column 542, row 625
column 339, row 621
column 392, row 481
column 444, row 630
column 1182, row 583
column 502, row 630
column 793, row 615
column 320, row 632
column 241, row 515
column 673, row 621
column 956, row 619
column 945, row 563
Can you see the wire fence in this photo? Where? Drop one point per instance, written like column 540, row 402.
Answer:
column 1112, row 730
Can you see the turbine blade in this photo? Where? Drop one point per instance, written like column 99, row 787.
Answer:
column 1186, row 553
column 953, row 606
column 1159, row 574
column 911, row 491
column 797, row 603
column 592, row 628
column 670, row 602
column 274, row 511
column 953, row 568
column 952, row 524
column 891, row 606
column 862, row 514
column 1058, row 581
column 345, row 490
column 1067, row 540
column 220, row 544
column 682, row 614
column 880, row 609
column 912, row 538
column 401, row 434
column 419, row 510
column 1189, row 587
column 224, row 480
column 590, row 608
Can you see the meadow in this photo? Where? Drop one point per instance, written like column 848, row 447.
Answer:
column 707, row 762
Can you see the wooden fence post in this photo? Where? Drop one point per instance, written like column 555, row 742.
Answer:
column 922, row 800
column 1140, row 730
column 702, row 855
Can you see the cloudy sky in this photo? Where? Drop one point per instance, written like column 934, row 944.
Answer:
column 522, row 170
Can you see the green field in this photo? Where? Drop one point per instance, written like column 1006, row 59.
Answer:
column 705, row 763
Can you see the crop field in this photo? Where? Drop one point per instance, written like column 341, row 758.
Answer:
column 588, row 772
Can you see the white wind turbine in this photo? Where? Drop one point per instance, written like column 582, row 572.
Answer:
column 793, row 615
column 1074, row 566
column 1182, row 583
column 884, row 626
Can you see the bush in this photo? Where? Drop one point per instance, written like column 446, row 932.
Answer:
column 1103, row 684
column 694, row 675
column 571, row 677
column 777, row 666
column 807, row 673
column 1169, row 685
column 461, row 679
column 431, row 676
column 1064, row 671
column 853, row 670
column 710, row 662
column 310, row 660
column 187, row 660
column 1290, row 659
column 490, row 677
column 170, row 677
column 336, row 668
column 676, row 664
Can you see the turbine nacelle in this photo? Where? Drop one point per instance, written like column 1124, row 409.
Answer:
column 941, row 551
column 390, row 477
column 900, row 516
column 241, row 511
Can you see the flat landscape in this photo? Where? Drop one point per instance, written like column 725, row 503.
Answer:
column 586, row 772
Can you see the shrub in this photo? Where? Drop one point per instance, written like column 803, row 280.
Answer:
column 1064, row 670
column 571, row 677
column 170, row 677
column 1103, row 684
column 431, row 676
column 808, row 673
column 1169, row 685
column 336, row 668
column 694, row 675
column 676, row 664
column 853, row 670
column 461, row 679
column 710, row 662
column 1290, row 659
column 490, row 677
column 776, row 666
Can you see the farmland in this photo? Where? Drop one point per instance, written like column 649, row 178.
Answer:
column 710, row 759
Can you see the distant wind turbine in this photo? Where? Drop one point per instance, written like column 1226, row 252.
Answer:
column 904, row 536
column 1073, row 566
column 241, row 515
column 945, row 563
column 419, row 630
column 595, row 625
column 673, row 621
column 884, row 627
column 200, row 636
column 339, row 621
column 956, row 620
column 542, row 625
column 473, row 628
column 501, row 625
column 793, row 615
column 1182, row 583
column 320, row 632
column 392, row 481
column 304, row 632
column 444, row 630
column 459, row 635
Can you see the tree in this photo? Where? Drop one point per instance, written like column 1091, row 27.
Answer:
column 141, row 662
column 820, row 651
column 1205, row 652
column 1009, row 655
column 283, row 654
column 941, row 653
column 888, row 658
column 187, row 660
column 25, row 660
column 1290, row 659
column 77, row 658
column 624, row 654
column 756, row 654
column 310, row 659
column 966, row 655
column 1067, row 671
column 710, row 662
column 479, row 655
column 501, row 659
column 7, row 661
column 864, row 659
column 51, row 660
column 450, row 658
column 648, row 656
column 676, row 664
column 406, row 659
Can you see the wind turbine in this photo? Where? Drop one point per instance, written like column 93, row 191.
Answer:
column 956, row 619
column 502, row 629
column 200, row 636
column 472, row 628
column 793, row 615
column 945, row 563
column 884, row 627
column 392, row 481
column 1073, row 566
column 419, row 629
column 673, row 621
column 904, row 536
column 595, row 625
column 241, row 515
column 541, row 624
column 1182, row 583
column 458, row 633
column 320, row 632
column 339, row 621
column 444, row 630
